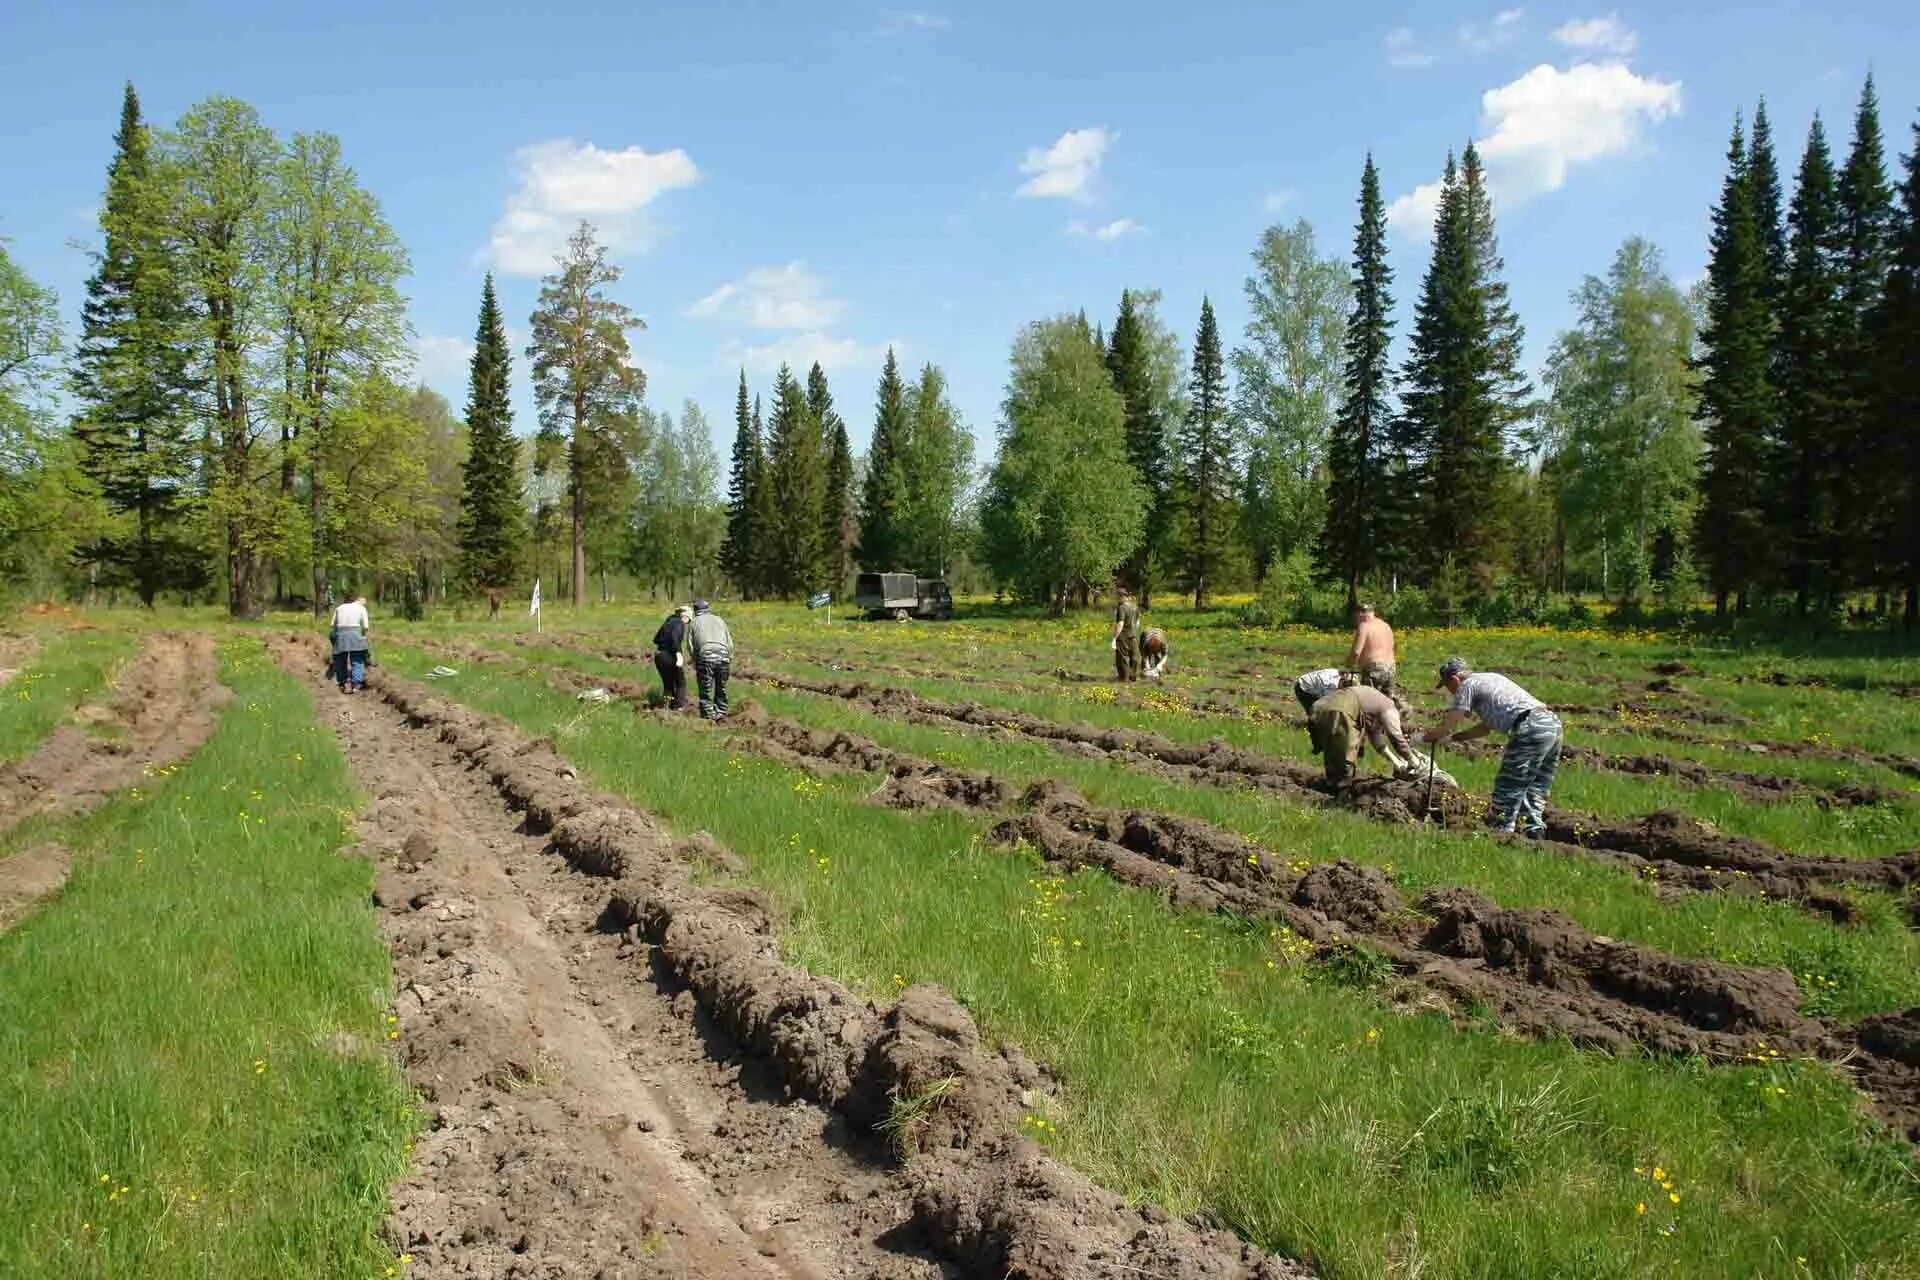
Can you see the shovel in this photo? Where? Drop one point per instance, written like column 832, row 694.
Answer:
column 1433, row 761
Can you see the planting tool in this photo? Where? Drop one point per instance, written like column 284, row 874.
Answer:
column 1433, row 761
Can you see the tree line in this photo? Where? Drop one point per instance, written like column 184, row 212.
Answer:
column 242, row 429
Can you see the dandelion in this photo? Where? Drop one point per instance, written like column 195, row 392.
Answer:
column 1641, row 1207
column 1673, row 1196
column 1373, row 1033
column 259, row 1066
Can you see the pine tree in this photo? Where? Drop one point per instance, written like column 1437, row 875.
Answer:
column 836, row 497
column 1736, row 393
column 132, row 377
column 1350, row 543
column 741, row 552
column 796, row 470
column 1896, row 420
column 589, row 393
column 1812, row 385
column 1207, row 460
column 1769, row 204
column 1509, row 392
column 1129, row 361
column 1862, row 455
column 492, row 527
column 884, row 490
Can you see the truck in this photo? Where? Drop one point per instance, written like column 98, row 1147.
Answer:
column 902, row 595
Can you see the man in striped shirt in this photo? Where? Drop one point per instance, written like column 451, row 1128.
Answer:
column 1534, row 738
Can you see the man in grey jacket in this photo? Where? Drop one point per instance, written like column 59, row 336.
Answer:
column 712, row 648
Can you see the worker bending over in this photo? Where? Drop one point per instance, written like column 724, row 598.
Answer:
column 1534, row 737
column 1344, row 719
column 1153, row 647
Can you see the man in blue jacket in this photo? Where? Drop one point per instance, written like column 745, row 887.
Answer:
column 670, row 659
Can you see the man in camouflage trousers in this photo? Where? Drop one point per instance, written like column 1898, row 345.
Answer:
column 1126, row 637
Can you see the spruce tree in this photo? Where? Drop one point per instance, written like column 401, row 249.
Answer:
column 1130, row 363
column 1812, row 384
column 1896, row 419
column 796, row 470
column 1769, row 203
column 1736, row 404
column 1862, row 455
column 836, row 498
column 1207, row 461
column 1349, row 545
column 131, row 376
column 741, row 551
column 884, row 491
column 492, row 524
column 1427, row 384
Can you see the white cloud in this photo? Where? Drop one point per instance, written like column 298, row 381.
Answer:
column 799, row 351
column 1537, row 129
column 1276, row 201
column 1404, row 51
column 786, row 297
column 1069, row 168
column 1106, row 231
column 1485, row 37
column 1598, row 35
column 442, row 362
column 898, row 23
column 563, row 181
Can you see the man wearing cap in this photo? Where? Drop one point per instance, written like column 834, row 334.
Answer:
column 1534, row 737
column 712, row 646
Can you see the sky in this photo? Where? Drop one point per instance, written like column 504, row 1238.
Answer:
column 799, row 182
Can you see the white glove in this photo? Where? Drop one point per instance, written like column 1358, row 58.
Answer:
column 679, row 659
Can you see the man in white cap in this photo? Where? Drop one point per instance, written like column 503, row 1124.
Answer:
column 1534, row 738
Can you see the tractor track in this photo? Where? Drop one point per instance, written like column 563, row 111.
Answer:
column 629, row 1080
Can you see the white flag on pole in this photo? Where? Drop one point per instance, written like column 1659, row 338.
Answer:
column 533, row 610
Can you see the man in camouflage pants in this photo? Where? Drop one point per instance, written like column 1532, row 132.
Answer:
column 1126, row 637
column 1534, row 738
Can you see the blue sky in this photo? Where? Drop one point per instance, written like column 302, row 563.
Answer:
column 807, row 181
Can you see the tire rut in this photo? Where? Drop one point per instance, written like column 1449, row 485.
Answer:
column 702, row 1109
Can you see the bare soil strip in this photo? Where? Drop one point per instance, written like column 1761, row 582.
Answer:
column 16, row 652
column 28, row 876
column 628, row 1079
column 162, row 707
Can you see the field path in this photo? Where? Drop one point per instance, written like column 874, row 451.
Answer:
column 580, row 1126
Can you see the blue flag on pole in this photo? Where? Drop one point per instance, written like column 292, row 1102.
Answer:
column 819, row 599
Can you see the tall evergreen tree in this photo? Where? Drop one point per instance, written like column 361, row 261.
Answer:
column 1862, row 454
column 589, row 392
column 1769, row 203
column 1129, row 361
column 132, row 377
column 740, row 553
column 1208, row 461
column 836, row 497
column 1812, row 384
column 1349, row 545
column 1737, row 401
column 884, row 490
column 1508, row 390
column 492, row 526
column 1429, row 381
column 796, row 470
column 1896, row 419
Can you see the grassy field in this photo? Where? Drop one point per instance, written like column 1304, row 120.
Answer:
column 1204, row 1064
column 69, row 667
column 194, row 1078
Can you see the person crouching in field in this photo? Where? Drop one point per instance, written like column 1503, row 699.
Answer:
column 670, row 659
column 712, row 646
column 1342, row 720
column 1534, row 738
column 1315, row 685
column 1153, row 647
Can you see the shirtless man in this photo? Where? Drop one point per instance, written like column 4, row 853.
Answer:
column 1371, row 653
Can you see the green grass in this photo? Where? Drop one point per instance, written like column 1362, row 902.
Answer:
column 69, row 668
column 194, row 1078
column 1205, row 1069
column 1867, row 967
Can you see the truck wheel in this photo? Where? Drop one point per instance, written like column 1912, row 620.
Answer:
column 900, row 615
